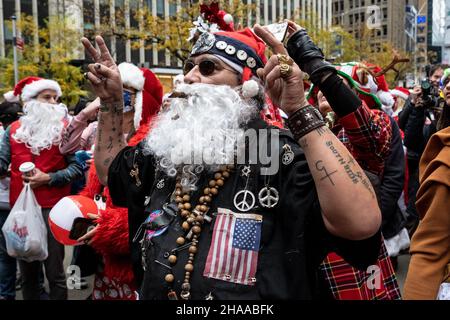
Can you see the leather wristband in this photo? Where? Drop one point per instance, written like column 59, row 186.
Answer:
column 304, row 121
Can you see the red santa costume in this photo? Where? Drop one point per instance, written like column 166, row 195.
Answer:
column 116, row 281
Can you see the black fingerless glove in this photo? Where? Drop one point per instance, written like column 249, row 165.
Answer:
column 308, row 56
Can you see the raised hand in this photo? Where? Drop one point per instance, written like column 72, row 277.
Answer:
column 103, row 74
column 285, row 89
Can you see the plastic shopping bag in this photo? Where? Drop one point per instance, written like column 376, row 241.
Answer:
column 24, row 229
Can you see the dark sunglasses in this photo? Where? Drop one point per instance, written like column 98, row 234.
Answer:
column 206, row 67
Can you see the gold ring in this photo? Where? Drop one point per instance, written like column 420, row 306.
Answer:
column 284, row 59
column 285, row 70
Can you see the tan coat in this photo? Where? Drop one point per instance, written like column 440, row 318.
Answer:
column 430, row 246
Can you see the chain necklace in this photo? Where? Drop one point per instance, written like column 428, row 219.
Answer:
column 193, row 218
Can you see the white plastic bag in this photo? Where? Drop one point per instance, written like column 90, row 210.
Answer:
column 24, row 229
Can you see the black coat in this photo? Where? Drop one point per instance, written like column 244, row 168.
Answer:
column 293, row 240
column 392, row 186
column 417, row 134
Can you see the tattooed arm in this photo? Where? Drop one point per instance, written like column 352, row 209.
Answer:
column 107, row 84
column 110, row 138
column 348, row 202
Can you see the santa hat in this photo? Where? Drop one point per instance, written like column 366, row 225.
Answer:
column 400, row 92
column 149, row 91
column 30, row 87
column 242, row 50
column 348, row 71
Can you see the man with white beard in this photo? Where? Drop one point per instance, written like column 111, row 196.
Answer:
column 216, row 228
column 35, row 137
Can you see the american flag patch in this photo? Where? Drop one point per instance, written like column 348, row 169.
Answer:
column 233, row 254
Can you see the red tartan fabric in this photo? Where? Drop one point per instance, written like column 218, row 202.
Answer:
column 367, row 134
column 347, row 283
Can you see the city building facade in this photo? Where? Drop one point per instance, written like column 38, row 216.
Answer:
column 86, row 16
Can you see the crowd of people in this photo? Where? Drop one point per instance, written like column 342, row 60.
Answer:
column 361, row 176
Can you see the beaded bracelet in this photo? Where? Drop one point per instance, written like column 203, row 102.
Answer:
column 304, row 121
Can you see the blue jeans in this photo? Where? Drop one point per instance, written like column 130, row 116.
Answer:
column 7, row 266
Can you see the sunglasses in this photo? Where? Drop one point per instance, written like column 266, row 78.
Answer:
column 206, row 67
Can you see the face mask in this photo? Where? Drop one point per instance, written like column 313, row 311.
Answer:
column 127, row 106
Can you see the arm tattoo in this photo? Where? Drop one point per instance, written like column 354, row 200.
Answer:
column 349, row 166
column 107, row 161
column 321, row 131
column 320, row 167
column 304, row 143
column 114, row 107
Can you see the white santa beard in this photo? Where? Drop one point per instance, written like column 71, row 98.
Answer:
column 203, row 131
column 41, row 126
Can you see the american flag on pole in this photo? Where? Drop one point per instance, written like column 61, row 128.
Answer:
column 233, row 254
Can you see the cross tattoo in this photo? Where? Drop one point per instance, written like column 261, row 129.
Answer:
column 320, row 167
column 134, row 173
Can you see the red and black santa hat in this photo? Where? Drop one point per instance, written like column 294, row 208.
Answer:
column 29, row 88
column 242, row 50
column 149, row 91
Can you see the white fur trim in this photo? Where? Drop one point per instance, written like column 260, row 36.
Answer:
column 386, row 98
column 33, row 89
column 250, row 89
column 131, row 76
column 228, row 18
column 387, row 110
column 398, row 93
column 10, row 97
column 138, row 109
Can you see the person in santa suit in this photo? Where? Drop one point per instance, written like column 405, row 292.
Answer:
column 35, row 137
column 143, row 96
column 273, row 227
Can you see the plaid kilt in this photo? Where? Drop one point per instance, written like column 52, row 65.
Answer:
column 348, row 283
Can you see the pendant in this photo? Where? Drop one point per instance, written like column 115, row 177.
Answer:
column 288, row 155
column 134, row 173
column 246, row 171
column 244, row 200
column 268, row 197
column 160, row 184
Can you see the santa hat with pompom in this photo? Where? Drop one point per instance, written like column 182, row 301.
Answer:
column 400, row 92
column 30, row 87
column 242, row 50
column 149, row 91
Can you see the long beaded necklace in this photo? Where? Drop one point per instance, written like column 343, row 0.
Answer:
column 192, row 224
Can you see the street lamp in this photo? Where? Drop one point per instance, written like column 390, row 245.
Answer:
column 16, row 71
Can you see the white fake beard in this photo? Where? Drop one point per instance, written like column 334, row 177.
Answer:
column 200, row 132
column 41, row 126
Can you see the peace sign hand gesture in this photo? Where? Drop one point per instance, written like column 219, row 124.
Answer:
column 103, row 74
column 285, row 90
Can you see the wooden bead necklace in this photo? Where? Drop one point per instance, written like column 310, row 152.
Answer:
column 193, row 218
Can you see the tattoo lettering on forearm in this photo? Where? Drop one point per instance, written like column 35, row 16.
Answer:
column 113, row 107
column 349, row 165
column 99, row 140
column 110, row 144
column 321, row 168
column 366, row 183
